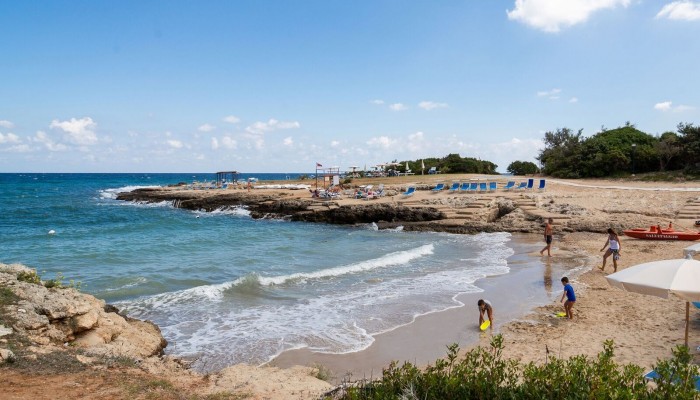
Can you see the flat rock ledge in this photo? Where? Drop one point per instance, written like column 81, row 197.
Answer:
column 64, row 316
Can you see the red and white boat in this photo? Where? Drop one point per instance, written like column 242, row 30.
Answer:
column 654, row 233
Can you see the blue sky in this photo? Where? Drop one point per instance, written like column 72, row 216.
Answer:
column 276, row 86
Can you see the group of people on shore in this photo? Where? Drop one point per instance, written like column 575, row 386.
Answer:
column 568, row 297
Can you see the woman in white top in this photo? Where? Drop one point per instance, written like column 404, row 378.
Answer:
column 614, row 249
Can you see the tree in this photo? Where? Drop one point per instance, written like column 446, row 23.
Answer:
column 522, row 168
column 560, row 155
column 667, row 147
column 690, row 141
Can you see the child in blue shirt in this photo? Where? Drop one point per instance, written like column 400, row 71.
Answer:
column 570, row 297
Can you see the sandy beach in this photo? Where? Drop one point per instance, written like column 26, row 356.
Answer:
column 644, row 328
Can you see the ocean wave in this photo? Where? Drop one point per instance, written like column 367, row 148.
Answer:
column 113, row 192
column 232, row 210
column 391, row 259
column 252, row 282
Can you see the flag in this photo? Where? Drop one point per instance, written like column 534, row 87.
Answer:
column 319, row 165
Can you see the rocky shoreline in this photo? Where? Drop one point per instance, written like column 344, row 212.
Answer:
column 496, row 214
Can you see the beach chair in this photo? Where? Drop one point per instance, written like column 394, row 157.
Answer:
column 438, row 188
column 493, row 186
column 473, row 187
column 542, row 184
column 509, row 185
column 653, row 375
column 530, row 184
column 522, row 185
column 464, row 187
column 380, row 191
column 483, row 187
column 455, row 187
column 409, row 192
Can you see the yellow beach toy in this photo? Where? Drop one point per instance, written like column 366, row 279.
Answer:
column 485, row 325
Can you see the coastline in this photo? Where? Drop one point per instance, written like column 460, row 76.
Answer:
column 643, row 328
column 525, row 287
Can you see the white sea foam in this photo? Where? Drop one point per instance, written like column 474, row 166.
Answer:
column 232, row 210
column 391, row 259
column 112, row 193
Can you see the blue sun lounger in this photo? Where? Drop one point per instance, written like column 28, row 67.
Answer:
column 455, row 187
column 438, row 188
column 542, row 185
column 493, row 186
column 464, row 187
column 509, row 185
column 409, row 192
column 522, row 185
column 653, row 375
column 530, row 183
column 483, row 187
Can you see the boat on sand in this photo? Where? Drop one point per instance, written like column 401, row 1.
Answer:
column 655, row 233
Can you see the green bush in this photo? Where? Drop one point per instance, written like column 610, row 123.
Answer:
column 484, row 374
column 29, row 277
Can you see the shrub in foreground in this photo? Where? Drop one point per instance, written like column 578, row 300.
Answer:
column 483, row 373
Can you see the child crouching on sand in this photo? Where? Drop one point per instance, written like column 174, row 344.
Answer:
column 570, row 297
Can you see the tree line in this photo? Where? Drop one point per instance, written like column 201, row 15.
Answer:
column 620, row 151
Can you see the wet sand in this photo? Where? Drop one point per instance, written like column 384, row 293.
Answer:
column 532, row 281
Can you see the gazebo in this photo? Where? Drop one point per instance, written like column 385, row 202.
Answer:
column 226, row 176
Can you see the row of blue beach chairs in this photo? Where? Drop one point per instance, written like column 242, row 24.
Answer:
column 464, row 187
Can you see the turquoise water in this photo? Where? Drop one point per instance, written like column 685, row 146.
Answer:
column 225, row 288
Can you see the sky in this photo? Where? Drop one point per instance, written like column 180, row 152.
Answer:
column 278, row 86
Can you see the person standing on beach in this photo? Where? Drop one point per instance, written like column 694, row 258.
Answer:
column 548, row 230
column 485, row 308
column 570, row 297
column 614, row 249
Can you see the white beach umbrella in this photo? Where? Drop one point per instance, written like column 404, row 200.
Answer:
column 680, row 277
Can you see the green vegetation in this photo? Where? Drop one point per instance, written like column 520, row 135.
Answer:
column 57, row 282
column 522, row 168
column 452, row 163
column 322, row 372
column 620, row 151
column 484, row 374
column 29, row 277
column 7, row 296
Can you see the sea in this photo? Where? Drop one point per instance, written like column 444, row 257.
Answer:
column 225, row 288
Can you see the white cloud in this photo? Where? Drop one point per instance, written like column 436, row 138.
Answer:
column 214, row 143
column 232, row 119
column 550, row 94
column 431, row 105
column 382, row 141
column 335, row 143
column 552, row 15
column 176, row 144
column 42, row 138
column 6, row 124
column 680, row 10
column 259, row 128
column 206, row 128
column 668, row 106
column 377, row 102
column 288, row 141
column 397, row 107
column 20, row 148
column 573, row 100
column 229, row 143
column 9, row 138
column 80, row 131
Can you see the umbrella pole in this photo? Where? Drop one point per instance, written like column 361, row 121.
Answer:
column 687, row 321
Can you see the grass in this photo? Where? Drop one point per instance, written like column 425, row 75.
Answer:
column 7, row 296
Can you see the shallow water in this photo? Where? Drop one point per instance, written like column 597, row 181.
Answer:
column 225, row 288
